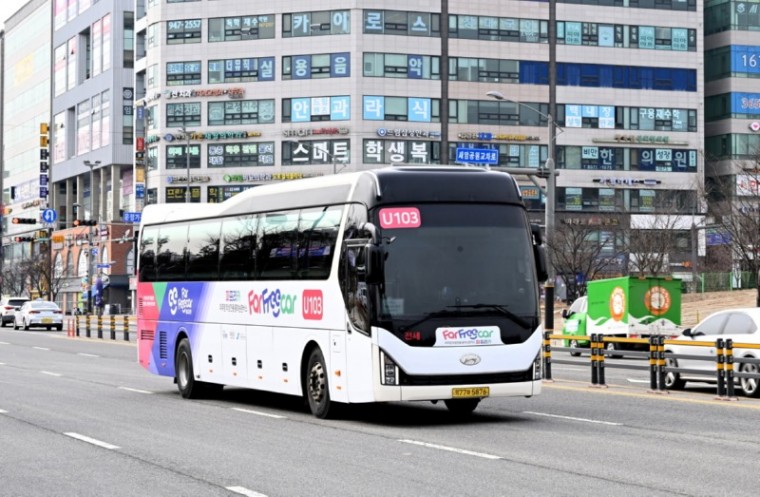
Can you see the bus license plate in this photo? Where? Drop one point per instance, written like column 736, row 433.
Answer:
column 466, row 393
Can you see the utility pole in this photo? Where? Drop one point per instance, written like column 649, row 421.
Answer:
column 91, row 236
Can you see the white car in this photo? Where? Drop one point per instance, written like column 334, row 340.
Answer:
column 739, row 325
column 8, row 308
column 39, row 313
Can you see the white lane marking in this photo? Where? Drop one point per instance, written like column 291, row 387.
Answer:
column 4, row 343
column 245, row 491
column 134, row 390
column 450, row 449
column 83, row 354
column 41, row 348
column 92, row 441
column 570, row 418
column 49, row 373
column 3, row 412
column 259, row 413
column 633, row 380
column 2, row 364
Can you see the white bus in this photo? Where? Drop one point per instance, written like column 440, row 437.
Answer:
column 403, row 283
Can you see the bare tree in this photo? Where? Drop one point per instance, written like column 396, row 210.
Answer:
column 736, row 209
column 583, row 250
column 39, row 277
column 14, row 282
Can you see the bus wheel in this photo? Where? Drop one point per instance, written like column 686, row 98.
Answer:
column 461, row 407
column 574, row 345
column 317, row 389
column 183, row 369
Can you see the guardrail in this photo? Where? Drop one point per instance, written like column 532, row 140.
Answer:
column 88, row 325
column 657, row 358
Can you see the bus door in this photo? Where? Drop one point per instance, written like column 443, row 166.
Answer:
column 358, row 299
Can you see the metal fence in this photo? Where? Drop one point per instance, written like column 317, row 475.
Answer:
column 96, row 326
column 657, row 361
column 721, row 282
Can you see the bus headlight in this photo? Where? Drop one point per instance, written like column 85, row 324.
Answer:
column 389, row 373
column 537, row 366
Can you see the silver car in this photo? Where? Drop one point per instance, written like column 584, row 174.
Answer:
column 40, row 314
column 740, row 325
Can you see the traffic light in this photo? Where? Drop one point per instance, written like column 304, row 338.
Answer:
column 24, row 220
column 20, row 239
column 85, row 222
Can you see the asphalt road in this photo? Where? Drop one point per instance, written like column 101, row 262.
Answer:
column 79, row 417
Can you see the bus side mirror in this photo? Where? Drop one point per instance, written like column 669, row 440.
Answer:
column 540, row 255
column 373, row 272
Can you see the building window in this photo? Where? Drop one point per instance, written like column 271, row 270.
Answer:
column 183, row 31
column 241, row 154
column 335, row 22
column 378, row 108
column 404, row 66
column 241, row 70
column 241, row 112
column 177, row 156
column 321, row 152
column 188, row 114
column 336, row 65
column 183, row 73
column 311, row 109
column 129, row 40
column 392, row 22
column 241, row 28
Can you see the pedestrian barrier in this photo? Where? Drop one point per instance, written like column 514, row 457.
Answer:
column 661, row 362
column 88, row 324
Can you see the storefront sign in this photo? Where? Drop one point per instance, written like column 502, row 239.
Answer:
column 237, row 92
column 183, row 179
column 408, row 133
column 497, row 137
column 213, row 135
column 641, row 139
column 627, row 181
column 289, row 133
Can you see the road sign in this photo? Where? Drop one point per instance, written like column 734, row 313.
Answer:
column 104, row 265
column 94, row 250
column 477, row 156
column 132, row 217
column 49, row 216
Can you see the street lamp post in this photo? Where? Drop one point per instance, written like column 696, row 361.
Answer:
column 549, row 174
column 184, row 132
column 91, row 237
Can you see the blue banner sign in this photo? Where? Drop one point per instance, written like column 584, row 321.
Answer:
column 477, row 155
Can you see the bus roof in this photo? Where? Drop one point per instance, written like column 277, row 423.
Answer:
column 390, row 184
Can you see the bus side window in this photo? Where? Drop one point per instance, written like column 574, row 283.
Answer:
column 238, row 252
column 171, row 252
column 203, row 251
column 147, row 261
column 317, row 236
column 279, row 235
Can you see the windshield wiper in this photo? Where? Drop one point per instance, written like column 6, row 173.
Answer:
column 430, row 315
column 501, row 308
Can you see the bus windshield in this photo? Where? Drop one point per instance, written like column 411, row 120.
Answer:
column 472, row 261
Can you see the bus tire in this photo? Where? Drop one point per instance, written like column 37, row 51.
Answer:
column 188, row 387
column 461, row 407
column 317, row 388
column 573, row 346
